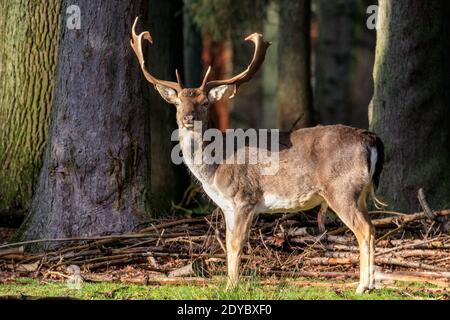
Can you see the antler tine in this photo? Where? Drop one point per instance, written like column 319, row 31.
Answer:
column 136, row 44
column 259, row 55
column 180, row 83
column 206, row 77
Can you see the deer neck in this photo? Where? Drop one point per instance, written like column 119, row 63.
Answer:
column 191, row 143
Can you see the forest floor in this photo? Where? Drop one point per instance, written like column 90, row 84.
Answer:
column 286, row 257
column 255, row 289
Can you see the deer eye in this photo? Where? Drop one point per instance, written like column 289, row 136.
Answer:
column 205, row 104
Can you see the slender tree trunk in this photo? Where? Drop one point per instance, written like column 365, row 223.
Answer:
column 166, row 55
column 29, row 38
column 217, row 54
column 270, row 69
column 248, row 104
column 192, row 51
column 334, row 60
column 294, row 83
column 361, row 84
column 96, row 168
column 412, row 96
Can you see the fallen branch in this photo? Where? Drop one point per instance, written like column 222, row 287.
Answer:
column 196, row 268
column 407, row 264
column 166, row 281
column 302, row 283
column 13, row 251
column 312, row 274
column 111, row 237
column 424, row 204
column 397, row 220
column 413, row 244
column 172, row 224
column 378, row 261
column 402, row 254
column 414, row 277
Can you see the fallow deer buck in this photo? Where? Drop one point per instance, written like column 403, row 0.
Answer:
column 328, row 166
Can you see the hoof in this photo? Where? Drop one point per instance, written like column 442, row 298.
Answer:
column 362, row 289
column 375, row 286
column 231, row 286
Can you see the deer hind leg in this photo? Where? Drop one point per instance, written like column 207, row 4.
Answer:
column 238, row 228
column 322, row 217
column 354, row 214
column 362, row 206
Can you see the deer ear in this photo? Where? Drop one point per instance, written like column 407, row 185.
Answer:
column 217, row 93
column 168, row 94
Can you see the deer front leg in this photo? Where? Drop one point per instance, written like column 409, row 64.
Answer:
column 238, row 229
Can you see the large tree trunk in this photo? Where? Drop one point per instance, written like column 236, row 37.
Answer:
column 361, row 84
column 29, row 38
column 294, row 65
column 95, row 174
column 334, row 60
column 412, row 96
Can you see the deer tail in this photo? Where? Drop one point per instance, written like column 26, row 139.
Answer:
column 376, row 166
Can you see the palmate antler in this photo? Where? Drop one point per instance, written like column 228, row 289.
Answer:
column 258, row 58
column 261, row 47
column 136, row 44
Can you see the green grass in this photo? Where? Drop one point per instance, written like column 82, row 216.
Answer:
column 215, row 290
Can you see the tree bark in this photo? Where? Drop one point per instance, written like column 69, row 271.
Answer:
column 411, row 99
column 28, row 48
column 95, row 174
column 294, row 65
column 334, row 60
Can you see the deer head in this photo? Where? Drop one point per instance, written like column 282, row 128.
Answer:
column 193, row 104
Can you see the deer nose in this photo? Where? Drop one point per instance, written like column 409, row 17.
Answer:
column 189, row 118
